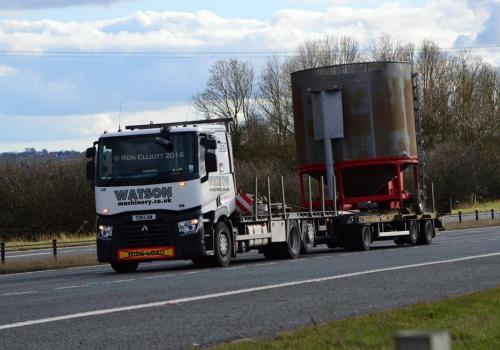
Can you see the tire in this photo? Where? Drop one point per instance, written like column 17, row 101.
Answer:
column 331, row 245
column 400, row 241
column 426, row 233
column 223, row 247
column 125, row 267
column 413, row 237
column 271, row 252
column 307, row 241
column 363, row 238
column 291, row 248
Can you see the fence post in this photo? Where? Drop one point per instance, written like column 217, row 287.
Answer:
column 255, row 204
column 54, row 248
column 433, row 200
column 2, row 252
column 477, row 215
column 492, row 214
column 460, row 216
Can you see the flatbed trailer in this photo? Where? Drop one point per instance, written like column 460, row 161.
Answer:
column 282, row 233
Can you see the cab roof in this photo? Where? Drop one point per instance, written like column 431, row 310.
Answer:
column 203, row 129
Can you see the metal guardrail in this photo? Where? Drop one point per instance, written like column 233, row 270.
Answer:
column 477, row 215
column 54, row 246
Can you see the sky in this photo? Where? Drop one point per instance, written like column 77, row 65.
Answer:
column 68, row 67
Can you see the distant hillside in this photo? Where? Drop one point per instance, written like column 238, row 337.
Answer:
column 43, row 154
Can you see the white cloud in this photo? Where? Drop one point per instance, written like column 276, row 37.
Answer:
column 6, row 71
column 76, row 132
column 442, row 21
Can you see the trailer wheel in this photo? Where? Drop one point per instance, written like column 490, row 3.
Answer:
column 413, row 237
column 426, row 233
column 124, row 267
column 307, row 242
column 223, row 247
column 400, row 241
column 363, row 238
column 291, row 248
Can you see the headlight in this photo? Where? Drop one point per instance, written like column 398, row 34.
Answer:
column 105, row 232
column 190, row 226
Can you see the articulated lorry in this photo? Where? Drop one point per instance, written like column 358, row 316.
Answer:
column 168, row 191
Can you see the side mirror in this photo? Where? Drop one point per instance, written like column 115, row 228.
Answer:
column 90, row 173
column 210, row 162
column 90, row 152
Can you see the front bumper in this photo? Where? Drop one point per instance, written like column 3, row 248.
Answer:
column 162, row 232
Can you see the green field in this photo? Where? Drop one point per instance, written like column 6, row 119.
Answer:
column 46, row 241
column 482, row 207
column 473, row 321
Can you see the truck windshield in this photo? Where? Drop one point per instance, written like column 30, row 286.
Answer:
column 141, row 159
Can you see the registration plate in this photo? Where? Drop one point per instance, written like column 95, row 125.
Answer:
column 144, row 217
column 153, row 253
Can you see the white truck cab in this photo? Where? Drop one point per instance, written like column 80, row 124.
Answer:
column 163, row 191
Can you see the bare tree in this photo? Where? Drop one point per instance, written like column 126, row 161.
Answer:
column 386, row 48
column 435, row 82
column 275, row 100
column 228, row 93
column 326, row 51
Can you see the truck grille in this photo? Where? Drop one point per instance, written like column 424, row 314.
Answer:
column 134, row 236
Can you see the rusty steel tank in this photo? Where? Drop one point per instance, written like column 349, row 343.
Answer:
column 377, row 103
column 378, row 123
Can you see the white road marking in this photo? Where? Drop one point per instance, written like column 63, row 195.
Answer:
column 235, row 267
column 121, row 281
column 53, row 270
column 323, row 257
column 76, row 286
column 21, row 293
column 159, row 276
column 24, row 255
column 265, row 264
column 235, row 292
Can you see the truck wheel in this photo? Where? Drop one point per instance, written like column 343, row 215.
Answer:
column 400, row 241
column 223, row 247
column 426, row 233
column 363, row 238
column 331, row 245
column 124, row 267
column 291, row 249
column 413, row 237
column 307, row 242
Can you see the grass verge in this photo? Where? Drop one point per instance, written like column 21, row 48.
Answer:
column 39, row 264
column 482, row 207
column 43, row 242
column 473, row 321
column 471, row 224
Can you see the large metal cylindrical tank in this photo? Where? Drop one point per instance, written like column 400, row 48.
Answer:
column 377, row 107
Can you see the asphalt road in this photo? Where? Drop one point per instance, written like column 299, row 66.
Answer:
column 173, row 305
